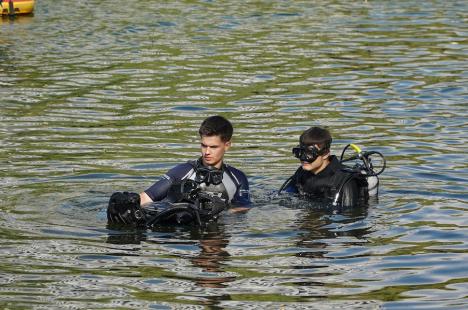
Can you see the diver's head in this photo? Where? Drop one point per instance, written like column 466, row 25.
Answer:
column 314, row 149
column 215, row 134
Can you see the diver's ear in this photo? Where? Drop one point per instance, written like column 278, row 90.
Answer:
column 326, row 155
column 227, row 145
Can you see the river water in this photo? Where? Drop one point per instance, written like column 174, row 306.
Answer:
column 105, row 96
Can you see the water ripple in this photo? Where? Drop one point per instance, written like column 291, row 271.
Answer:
column 101, row 97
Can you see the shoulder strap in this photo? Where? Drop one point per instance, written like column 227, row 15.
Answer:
column 360, row 180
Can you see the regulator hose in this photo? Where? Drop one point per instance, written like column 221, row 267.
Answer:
column 365, row 157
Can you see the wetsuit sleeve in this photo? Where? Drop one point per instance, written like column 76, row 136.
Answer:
column 350, row 194
column 158, row 191
column 242, row 196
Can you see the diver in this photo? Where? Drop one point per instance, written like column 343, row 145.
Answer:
column 192, row 192
column 324, row 178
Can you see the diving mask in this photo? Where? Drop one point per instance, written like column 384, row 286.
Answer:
column 209, row 175
column 307, row 153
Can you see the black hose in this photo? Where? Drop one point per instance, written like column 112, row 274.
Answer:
column 364, row 156
column 368, row 165
column 338, row 193
column 285, row 184
column 157, row 218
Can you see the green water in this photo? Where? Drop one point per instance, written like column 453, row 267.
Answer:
column 104, row 96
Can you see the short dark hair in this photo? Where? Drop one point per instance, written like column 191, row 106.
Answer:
column 216, row 126
column 316, row 135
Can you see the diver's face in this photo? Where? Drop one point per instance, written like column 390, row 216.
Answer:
column 213, row 149
column 318, row 164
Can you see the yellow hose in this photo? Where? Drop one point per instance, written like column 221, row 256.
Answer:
column 356, row 148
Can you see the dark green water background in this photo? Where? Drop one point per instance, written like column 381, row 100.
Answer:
column 102, row 96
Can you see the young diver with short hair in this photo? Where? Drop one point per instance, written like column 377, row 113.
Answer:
column 214, row 176
column 321, row 176
column 192, row 192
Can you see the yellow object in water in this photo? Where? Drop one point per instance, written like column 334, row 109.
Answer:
column 356, row 148
column 19, row 7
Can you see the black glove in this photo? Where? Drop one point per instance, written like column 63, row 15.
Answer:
column 124, row 209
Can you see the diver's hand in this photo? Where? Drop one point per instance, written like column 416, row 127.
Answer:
column 239, row 210
column 120, row 202
column 124, row 209
column 144, row 198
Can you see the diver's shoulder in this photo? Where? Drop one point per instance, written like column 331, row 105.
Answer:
column 183, row 166
column 180, row 169
column 233, row 169
column 236, row 172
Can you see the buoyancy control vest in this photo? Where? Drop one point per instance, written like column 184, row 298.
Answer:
column 351, row 186
column 343, row 184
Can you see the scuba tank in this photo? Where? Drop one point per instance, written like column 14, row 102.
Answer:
column 365, row 171
column 365, row 164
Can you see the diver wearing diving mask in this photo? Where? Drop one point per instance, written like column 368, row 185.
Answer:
column 195, row 192
column 321, row 175
column 209, row 171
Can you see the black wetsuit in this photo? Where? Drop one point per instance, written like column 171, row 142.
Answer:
column 234, row 187
column 324, row 185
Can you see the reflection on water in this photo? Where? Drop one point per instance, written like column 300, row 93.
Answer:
column 103, row 96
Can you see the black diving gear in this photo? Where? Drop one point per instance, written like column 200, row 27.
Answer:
column 323, row 186
column 209, row 182
column 124, row 208
column 368, row 163
column 186, row 204
column 338, row 183
column 208, row 174
column 205, row 209
column 184, row 191
column 368, row 158
column 234, row 183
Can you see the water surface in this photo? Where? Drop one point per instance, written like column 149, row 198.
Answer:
column 104, row 96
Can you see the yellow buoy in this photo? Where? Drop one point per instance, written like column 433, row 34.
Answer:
column 12, row 7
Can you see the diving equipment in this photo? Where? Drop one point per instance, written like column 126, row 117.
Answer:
column 364, row 174
column 368, row 164
column 124, row 208
column 365, row 167
column 308, row 153
column 186, row 204
column 207, row 174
